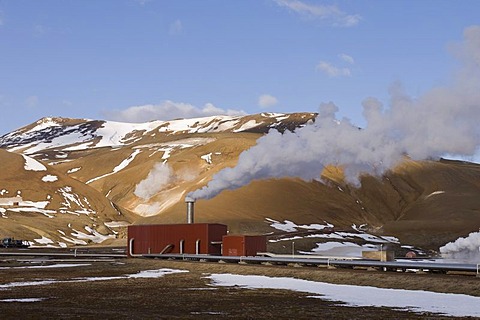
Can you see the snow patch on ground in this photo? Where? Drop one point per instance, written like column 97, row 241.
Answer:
column 24, row 300
column 51, row 266
column 457, row 305
column 139, row 275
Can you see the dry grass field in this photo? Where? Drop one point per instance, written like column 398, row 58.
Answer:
column 190, row 295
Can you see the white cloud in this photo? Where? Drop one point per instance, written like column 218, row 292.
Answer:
column 40, row 30
column 266, row 100
column 67, row 103
column 142, row 2
column 330, row 13
column 176, row 27
column 167, row 110
column 346, row 58
column 31, row 101
column 332, row 71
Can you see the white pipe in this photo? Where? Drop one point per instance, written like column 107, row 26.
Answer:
column 197, row 246
column 130, row 249
column 182, row 246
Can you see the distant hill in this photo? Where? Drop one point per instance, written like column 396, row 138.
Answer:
column 92, row 184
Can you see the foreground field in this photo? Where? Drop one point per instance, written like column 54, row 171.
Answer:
column 114, row 290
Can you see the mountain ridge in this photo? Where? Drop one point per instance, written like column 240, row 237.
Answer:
column 425, row 203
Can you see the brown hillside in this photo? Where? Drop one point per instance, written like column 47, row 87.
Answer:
column 51, row 209
column 424, row 203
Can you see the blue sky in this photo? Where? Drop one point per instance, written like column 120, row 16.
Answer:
column 137, row 60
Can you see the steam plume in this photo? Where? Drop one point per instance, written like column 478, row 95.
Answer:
column 158, row 178
column 464, row 248
column 443, row 121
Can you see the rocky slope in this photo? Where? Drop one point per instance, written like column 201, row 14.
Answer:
column 140, row 173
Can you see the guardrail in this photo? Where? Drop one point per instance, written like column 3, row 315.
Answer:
column 329, row 262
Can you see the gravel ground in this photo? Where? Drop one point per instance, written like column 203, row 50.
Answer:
column 189, row 295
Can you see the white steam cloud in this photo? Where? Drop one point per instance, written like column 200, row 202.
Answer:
column 159, row 177
column 464, row 248
column 443, row 121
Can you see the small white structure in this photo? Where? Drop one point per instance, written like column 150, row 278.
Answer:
column 10, row 202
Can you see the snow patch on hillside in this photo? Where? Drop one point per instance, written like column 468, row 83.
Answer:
column 49, row 178
column 127, row 161
column 344, row 249
column 92, row 235
column 289, row 226
column 207, row 157
column 200, row 125
column 69, row 139
column 32, row 164
column 115, row 133
column 117, row 224
column 73, row 170
column 43, row 124
column 343, row 243
column 434, row 193
column 247, row 125
column 118, row 168
column 44, row 240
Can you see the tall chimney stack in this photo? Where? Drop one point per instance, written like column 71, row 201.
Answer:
column 190, row 208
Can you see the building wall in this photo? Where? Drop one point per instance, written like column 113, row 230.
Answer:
column 155, row 238
column 11, row 201
column 242, row 245
column 384, row 255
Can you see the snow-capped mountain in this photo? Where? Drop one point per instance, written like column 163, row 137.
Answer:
column 88, row 178
column 78, row 134
column 71, row 172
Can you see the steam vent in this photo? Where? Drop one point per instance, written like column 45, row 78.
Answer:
column 190, row 209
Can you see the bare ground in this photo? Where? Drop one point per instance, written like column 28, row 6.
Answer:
column 189, row 295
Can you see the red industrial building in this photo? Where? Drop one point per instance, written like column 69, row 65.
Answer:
column 195, row 238
column 242, row 245
column 191, row 238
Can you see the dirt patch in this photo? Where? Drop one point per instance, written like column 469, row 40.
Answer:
column 190, row 295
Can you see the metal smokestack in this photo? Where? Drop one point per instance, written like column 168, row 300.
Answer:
column 190, row 208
